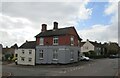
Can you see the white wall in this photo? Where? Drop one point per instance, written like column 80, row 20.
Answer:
column 26, row 55
column 87, row 47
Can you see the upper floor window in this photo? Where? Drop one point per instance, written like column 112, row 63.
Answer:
column 78, row 42
column 41, row 54
column 30, row 51
column 23, row 52
column 41, row 41
column 72, row 40
column 55, row 55
column 55, row 41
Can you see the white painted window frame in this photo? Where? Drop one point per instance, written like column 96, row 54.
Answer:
column 55, row 39
column 41, row 41
column 55, row 52
column 41, row 52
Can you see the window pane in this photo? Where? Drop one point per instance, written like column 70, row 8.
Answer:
column 22, row 58
column 41, row 54
column 41, row 41
column 72, row 54
column 55, row 54
column 22, row 51
column 55, row 41
column 72, row 40
column 30, row 59
column 30, row 51
column 16, row 55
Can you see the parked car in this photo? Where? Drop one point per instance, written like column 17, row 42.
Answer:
column 114, row 56
column 84, row 58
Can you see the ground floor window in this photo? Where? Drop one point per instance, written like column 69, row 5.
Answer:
column 29, row 59
column 16, row 55
column 55, row 55
column 72, row 54
column 41, row 54
column 23, row 58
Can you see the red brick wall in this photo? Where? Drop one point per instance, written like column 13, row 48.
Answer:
column 75, row 41
column 37, row 41
column 63, row 40
column 73, row 33
column 48, row 40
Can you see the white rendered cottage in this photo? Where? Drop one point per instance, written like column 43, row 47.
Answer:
column 92, row 46
column 26, row 53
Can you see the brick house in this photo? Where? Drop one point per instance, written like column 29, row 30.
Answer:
column 8, row 51
column 59, row 45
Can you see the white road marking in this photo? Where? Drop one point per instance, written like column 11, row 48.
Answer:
column 70, row 70
column 64, row 72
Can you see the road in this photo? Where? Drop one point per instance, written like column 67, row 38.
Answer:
column 98, row 67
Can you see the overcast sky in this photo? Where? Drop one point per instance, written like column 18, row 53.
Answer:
column 21, row 21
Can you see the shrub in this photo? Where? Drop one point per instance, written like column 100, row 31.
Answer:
column 86, row 54
column 91, row 52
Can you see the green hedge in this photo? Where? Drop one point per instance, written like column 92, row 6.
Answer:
column 97, row 56
column 92, row 54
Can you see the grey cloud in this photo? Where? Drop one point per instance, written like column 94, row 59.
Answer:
column 20, row 18
column 38, row 10
column 8, row 22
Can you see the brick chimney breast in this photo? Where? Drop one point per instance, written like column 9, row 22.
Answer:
column 55, row 25
column 44, row 27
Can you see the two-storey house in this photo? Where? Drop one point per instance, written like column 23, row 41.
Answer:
column 58, row 45
column 26, row 53
column 92, row 46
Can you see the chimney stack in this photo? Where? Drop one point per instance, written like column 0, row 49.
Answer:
column 44, row 27
column 55, row 25
column 95, row 41
column 87, row 39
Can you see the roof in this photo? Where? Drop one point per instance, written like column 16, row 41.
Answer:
column 96, row 44
column 1, row 46
column 57, row 32
column 82, row 43
column 8, row 50
column 28, row 45
column 15, row 46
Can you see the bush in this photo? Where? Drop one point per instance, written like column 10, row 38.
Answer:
column 93, row 53
column 14, row 58
column 97, row 56
column 86, row 54
column 8, row 57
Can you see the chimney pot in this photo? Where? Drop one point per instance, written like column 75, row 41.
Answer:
column 87, row 39
column 26, row 40
column 95, row 41
column 44, row 27
column 55, row 25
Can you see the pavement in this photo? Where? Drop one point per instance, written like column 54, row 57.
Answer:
column 6, row 74
column 7, row 62
column 52, row 65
